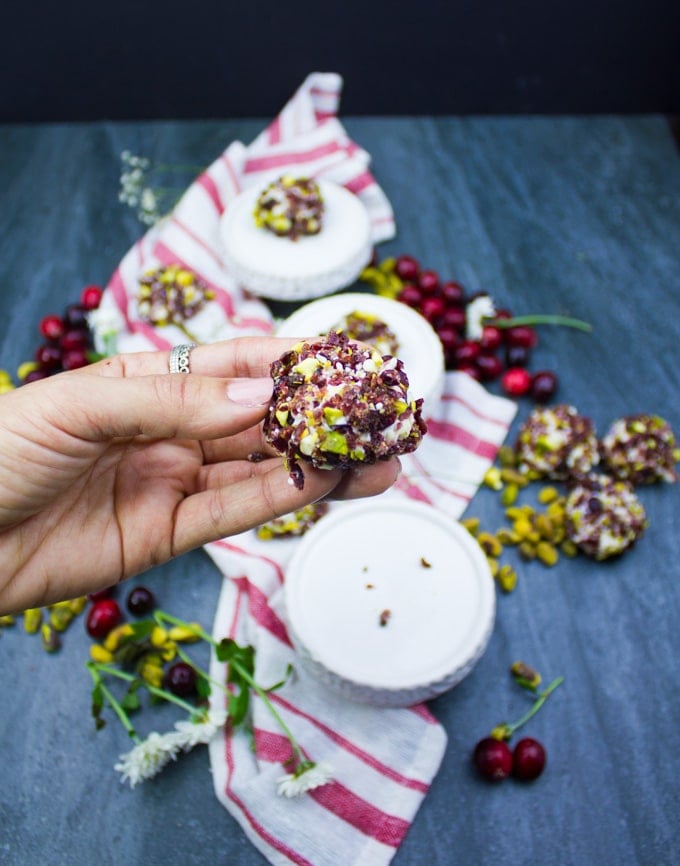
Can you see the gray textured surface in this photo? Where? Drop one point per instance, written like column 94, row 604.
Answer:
column 573, row 215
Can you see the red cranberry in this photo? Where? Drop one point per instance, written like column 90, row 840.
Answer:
column 74, row 359
column 35, row 375
column 543, row 385
column 455, row 317
column 453, row 293
column 493, row 759
column 51, row 327
column 75, row 338
column 517, row 356
column 491, row 338
column 428, row 282
column 102, row 617
column 502, row 314
column 91, row 297
column 468, row 367
column 521, row 335
column 516, row 381
column 180, row 679
column 529, row 759
column 140, row 601
column 432, row 307
column 410, row 295
column 406, row 268
column 48, row 357
column 467, row 351
column 75, row 316
column 490, row 366
column 102, row 593
column 448, row 336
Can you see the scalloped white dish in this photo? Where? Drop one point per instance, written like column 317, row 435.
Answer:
column 309, row 267
column 419, row 346
column 389, row 602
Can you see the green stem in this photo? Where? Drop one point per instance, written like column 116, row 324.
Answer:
column 536, row 706
column 154, row 690
column 160, row 616
column 539, row 319
column 113, row 703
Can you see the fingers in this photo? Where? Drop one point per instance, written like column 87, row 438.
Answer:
column 235, row 500
column 99, row 408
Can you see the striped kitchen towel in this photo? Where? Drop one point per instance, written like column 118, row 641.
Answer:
column 384, row 759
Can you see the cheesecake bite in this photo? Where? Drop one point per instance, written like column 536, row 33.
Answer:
column 557, row 443
column 290, row 207
column 641, row 449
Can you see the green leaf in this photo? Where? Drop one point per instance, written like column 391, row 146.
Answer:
column 225, row 649
column 203, row 687
column 286, row 677
column 130, row 701
column 97, row 702
column 237, row 705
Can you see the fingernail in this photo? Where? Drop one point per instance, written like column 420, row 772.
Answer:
column 250, row 392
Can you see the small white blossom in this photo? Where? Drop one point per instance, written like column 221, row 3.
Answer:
column 147, row 758
column 307, row 777
column 190, row 734
column 106, row 321
column 476, row 311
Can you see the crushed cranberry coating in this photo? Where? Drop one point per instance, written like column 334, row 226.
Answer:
column 295, row 523
column 557, row 443
column 368, row 328
column 290, row 207
column 641, row 449
column 336, row 405
column 603, row 516
column 171, row 295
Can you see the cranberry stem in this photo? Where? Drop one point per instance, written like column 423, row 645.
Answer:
column 115, row 705
column 506, row 730
column 539, row 319
column 154, row 690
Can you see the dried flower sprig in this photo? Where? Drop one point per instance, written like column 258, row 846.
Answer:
column 139, row 188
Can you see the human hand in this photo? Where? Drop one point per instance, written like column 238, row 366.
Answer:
column 117, row 467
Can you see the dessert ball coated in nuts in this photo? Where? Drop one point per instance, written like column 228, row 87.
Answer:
column 603, row 516
column 295, row 523
column 290, row 207
column 171, row 295
column 558, row 443
column 640, row 449
column 368, row 328
column 337, row 404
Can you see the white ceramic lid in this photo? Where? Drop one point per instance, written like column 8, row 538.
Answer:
column 281, row 269
column 389, row 601
column 419, row 346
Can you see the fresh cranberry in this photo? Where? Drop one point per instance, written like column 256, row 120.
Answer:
column 448, row 336
column 74, row 359
column 468, row 367
column 180, row 679
column 51, row 327
column 521, row 335
column 467, row 351
column 517, row 356
column 493, row 759
column 91, row 297
column 516, row 381
column 453, row 293
column 491, row 338
column 502, row 314
column 410, row 295
column 543, row 385
column 490, row 366
column 107, row 592
column 528, row 759
column 35, row 375
column 48, row 357
column 428, row 282
column 406, row 268
column 102, row 617
column 140, row 601
column 75, row 316
column 455, row 317
column 432, row 307
column 75, row 338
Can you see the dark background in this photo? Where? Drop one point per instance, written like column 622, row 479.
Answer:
column 85, row 60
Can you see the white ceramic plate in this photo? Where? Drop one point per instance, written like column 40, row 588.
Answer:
column 389, row 602
column 419, row 346
column 309, row 267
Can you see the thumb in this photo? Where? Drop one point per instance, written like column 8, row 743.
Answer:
column 162, row 406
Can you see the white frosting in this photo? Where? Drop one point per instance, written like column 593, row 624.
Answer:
column 311, row 266
column 419, row 346
column 364, row 559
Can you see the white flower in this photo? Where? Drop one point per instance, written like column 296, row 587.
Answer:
column 147, row 758
column 106, row 320
column 478, row 309
column 307, row 777
column 190, row 734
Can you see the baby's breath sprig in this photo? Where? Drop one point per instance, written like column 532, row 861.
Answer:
column 139, row 187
